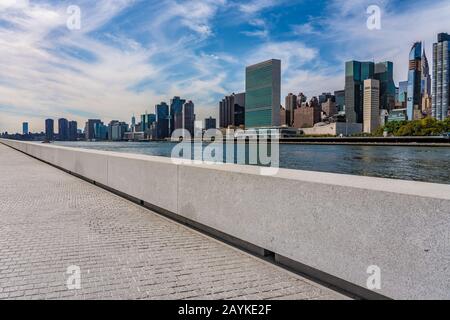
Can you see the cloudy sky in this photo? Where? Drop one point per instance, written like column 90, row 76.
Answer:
column 129, row 55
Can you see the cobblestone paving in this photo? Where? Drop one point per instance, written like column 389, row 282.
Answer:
column 50, row 220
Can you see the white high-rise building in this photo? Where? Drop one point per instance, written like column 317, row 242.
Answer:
column 441, row 77
column 371, row 107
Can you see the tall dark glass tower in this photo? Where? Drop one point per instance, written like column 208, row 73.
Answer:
column 441, row 77
column 73, row 130
column 414, row 80
column 63, row 129
column 232, row 110
column 355, row 74
column 189, row 117
column 49, row 129
column 384, row 72
column 176, row 111
column 162, row 120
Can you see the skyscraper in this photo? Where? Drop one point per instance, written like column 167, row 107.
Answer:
column 426, row 77
column 340, row 99
column 189, row 117
column 325, row 96
column 414, row 80
column 441, row 77
column 290, row 105
column 403, row 92
column 263, row 94
column 89, row 131
column 25, row 128
column 371, row 105
column 384, row 72
column 210, row 123
column 176, row 108
column 232, row 110
column 147, row 120
column 162, row 120
column 49, row 129
column 355, row 74
column 73, row 130
column 133, row 123
column 63, row 129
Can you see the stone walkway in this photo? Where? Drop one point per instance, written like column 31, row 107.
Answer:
column 50, row 220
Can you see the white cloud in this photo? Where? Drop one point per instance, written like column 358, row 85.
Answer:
column 255, row 6
column 48, row 71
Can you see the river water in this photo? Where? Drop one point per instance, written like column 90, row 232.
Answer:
column 428, row 164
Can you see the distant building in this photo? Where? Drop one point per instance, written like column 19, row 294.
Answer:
column 355, row 74
column 329, row 107
column 307, row 116
column 414, row 80
column 176, row 110
column 290, row 105
column 189, row 117
column 371, row 105
column 301, row 98
column 63, row 129
column 162, row 121
column 263, row 94
column 25, row 129
column 178, row 121
column 333, row 129
column 340, row 99
column 441, row 77
column 133, row 123
column 116, row 130
column 426, row 76
column 210, row 123
column 89, row 132
column 146, row 121
column 49, row 129
column 384, row 73
column 73, row 131
column 403, row 92
column 100, row 131
column 325, row 96
column 232, row 111
column 284, row 117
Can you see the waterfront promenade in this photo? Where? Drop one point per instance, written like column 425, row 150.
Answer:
column 50, row 220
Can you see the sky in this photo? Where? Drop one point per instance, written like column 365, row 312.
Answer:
column 128, row 55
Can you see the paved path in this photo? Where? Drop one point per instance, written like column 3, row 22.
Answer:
column 50, row 220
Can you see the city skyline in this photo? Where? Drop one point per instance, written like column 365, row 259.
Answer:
column 88, row 82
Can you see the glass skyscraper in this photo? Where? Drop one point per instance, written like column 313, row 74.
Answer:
column 25, row 128
column 340, row 99
column 384, row 72
column 49, row 129
column 176, row 110
column 263, row 94
column 414, row 80
column 162, row 120
column 63, row 129
column 355, row 74
column 232, row 110
column 402, row 91
column 441, row 77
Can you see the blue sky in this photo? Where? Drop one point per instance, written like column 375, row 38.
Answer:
column 131, row 54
